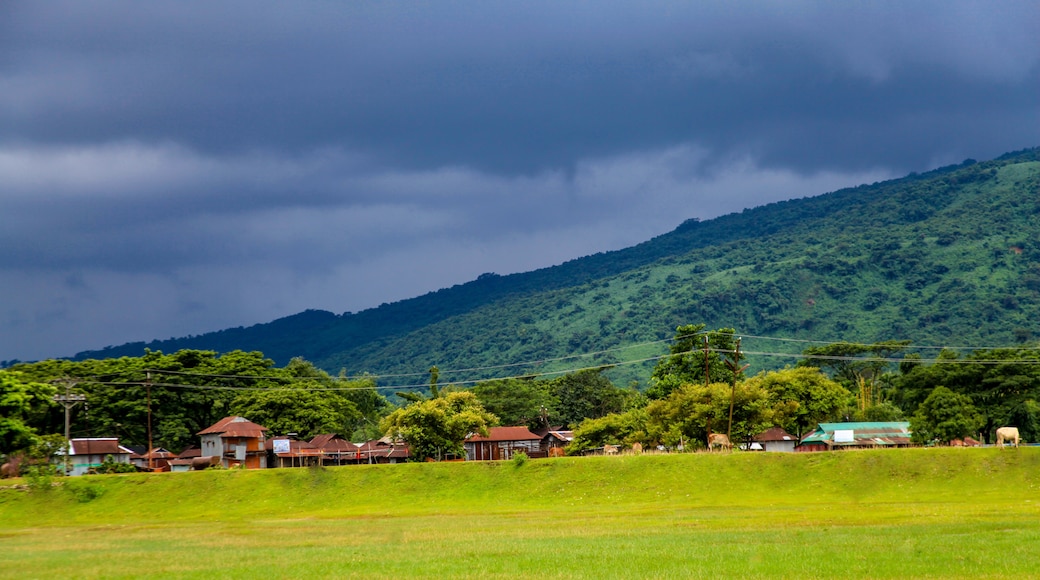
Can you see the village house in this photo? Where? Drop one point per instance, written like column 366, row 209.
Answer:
column 285, row 451
column 554, row 441
column 383, row 451
column 776, row 439
column 335, row 450
column 158, row 459
column 236, row 441
column 88, row 454
column 502, row 443
column 834, row 436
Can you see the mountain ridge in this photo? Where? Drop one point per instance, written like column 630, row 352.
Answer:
column 809, row 247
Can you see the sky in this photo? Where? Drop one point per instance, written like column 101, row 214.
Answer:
column 175, row 168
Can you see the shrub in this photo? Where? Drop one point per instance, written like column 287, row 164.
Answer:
column 519, row 458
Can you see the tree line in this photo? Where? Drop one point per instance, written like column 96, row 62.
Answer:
column 697, row 389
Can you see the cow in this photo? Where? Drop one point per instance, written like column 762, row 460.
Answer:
column 637, row 448
column 13, row 466
column 556, row 452
column 1007, row 434
column 610, row 450
column 719, row 439
column 8, row 470
column 200, row 463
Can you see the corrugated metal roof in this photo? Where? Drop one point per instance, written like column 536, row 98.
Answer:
column 774, row 434
column 234, row 427
column 332, row 442
column 98, row 446
column 506, row 434
column 863, row 433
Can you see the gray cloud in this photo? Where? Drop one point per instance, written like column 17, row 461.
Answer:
column 171, row 169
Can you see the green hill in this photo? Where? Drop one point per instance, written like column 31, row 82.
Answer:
column 946, row 257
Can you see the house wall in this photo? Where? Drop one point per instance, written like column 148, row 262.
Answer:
column 779, row 446
column 212, row 445
column 496, row 450
column 256, row 456
column 81, row 464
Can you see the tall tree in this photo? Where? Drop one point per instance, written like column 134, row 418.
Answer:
column 436, row 428
column 519, row 401
column 689, row 360
column 802, row 397
column 690, row 411
column 587, row 394
column 945, row 416
column 22, row 402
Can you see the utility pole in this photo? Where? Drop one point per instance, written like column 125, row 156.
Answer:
column 68, row 400
column 732, row 364
column 705, row 361
column 148, row 386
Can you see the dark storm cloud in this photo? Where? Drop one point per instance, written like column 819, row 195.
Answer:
column 174, row 168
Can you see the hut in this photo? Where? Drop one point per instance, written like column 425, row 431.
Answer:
column 776, row 439
column 335, row 450
column 86, row 455
column 237, row 441
column 502, row 443
column 834, row 436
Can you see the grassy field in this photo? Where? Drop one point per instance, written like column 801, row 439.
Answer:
column 924, row 513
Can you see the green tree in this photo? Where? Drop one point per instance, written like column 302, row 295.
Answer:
column 850, row 361
column 802, row 397
column 688, row 359
column 945, row 416
column 614, row 429
column 297, row 409
column 587, row 394
column 22, row 403
column 691, row 410
column 1004, row 386
column 436, row 428
column 519, row 401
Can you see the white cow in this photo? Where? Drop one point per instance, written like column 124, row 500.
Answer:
column 1007, row 434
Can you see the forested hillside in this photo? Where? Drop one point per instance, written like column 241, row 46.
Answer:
column 949, row 257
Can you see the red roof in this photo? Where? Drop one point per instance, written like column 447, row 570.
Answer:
column 155, row 453
column 234, row 427
column 774, row 434
column 190, row 452
column 506, row 434
column 98, row 446
column 382, row 448
column 330, row 442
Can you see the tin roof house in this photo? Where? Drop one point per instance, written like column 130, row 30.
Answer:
column 86, row 455
column 776, row 439
column 237, row 441
column 335, row 450
column 502, row 443
column 833, row 436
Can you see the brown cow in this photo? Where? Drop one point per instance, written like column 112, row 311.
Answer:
column 610, row 450
column 1007, row 434
column 13, row 466
column 720, row 440
column 200, row 463
column 637, row 448
column 556, row 452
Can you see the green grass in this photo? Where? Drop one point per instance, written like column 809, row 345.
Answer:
column 936, row 513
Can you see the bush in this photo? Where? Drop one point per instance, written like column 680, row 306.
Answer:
column 519, row 458
column 84, row 491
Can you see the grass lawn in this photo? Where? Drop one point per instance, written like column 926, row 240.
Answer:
column 939, row 513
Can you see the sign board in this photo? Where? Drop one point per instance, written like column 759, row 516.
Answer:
column 844, row 436
column 281, row 445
